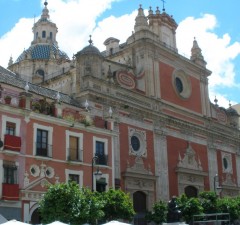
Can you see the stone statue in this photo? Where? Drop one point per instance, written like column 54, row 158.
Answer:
column 174, row 214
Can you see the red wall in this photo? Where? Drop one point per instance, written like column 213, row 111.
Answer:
column 178, row 146
column 169, row 94
column 124, row 149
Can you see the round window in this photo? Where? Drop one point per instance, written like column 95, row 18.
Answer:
column 182, row 84
column 135, row 142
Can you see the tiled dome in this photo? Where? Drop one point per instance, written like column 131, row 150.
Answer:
column 42, row 51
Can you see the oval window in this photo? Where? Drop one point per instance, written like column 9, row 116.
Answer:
column 225, row 163
column 135, row 142
column 179, row 85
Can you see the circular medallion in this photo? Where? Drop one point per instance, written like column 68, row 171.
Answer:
column 126, row 79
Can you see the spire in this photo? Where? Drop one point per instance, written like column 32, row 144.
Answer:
column 163, row 1
column 141, row 21
column 197, row 56
column 10, row 62
column 45, row 11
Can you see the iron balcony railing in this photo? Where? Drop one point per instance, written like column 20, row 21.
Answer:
column 102, row 159
column 43, row 149
column 75, row 154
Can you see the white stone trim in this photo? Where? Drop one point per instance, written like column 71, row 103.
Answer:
column 75, row 172
column 6, row 119
column 50, row 136
column 104, row 140
column 105, row 176
column 80, row 142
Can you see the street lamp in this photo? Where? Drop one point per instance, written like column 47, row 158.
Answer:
column 216, row 186
column 98, row 173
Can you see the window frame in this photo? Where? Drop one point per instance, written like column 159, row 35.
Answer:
column 75, row 172
column 10, row 128
column 105, row 141
column 50, row 139
column 80, row 144
column 14, row 167
column 16, row 121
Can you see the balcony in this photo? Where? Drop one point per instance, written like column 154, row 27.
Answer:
column 43, row 150
column 12, row 143
column 75, row 154
column 10, row 192
column 102, row 159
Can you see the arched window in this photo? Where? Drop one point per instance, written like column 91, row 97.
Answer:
column 50, row 35
column 36, row 36
column 191, row 191
column 44, row 34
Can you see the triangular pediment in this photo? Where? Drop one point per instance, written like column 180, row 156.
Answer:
column 138, row 167
column 35, row 190
column 39, row 184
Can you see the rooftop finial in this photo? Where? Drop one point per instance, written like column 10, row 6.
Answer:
column 216, row 101
column 140, row 6
column 163, row 1
column 45, row 11
column 90, row 40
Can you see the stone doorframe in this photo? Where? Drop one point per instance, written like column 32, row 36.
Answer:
column 137, row 178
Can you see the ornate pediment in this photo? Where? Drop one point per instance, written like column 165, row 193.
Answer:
column 229, row 180
column 35, row 190
column 138, row 167
column 189, row 160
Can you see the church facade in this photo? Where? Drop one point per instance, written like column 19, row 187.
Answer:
column 139, row 106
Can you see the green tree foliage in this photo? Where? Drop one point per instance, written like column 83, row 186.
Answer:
column 67, row 203
column 159, row 213
column 229, row 205
column 208, row 201
column 117, row 205
column 189, row 207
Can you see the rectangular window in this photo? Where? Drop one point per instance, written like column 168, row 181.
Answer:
column 73, row 148
column 73, row 177
column 42, row 142
column 10, row 173
column 100, row 153
column 101, row 185
column 10, row 128
column 44, row 34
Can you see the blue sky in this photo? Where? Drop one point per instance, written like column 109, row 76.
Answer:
column 215, row 24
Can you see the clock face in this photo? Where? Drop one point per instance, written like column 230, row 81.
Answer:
column 135, row 142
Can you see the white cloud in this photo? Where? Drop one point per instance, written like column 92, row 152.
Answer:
column 218, row 51
column 14, row 42
column 75, row 24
